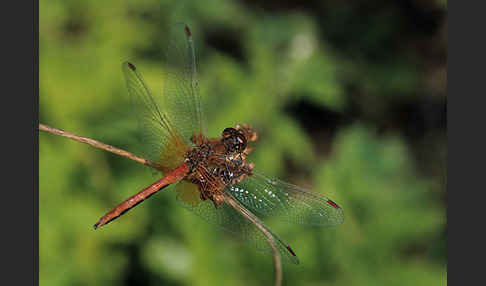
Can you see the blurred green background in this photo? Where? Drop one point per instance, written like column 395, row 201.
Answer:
column 348, row 98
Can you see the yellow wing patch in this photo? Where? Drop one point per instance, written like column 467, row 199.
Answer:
column 188, row 193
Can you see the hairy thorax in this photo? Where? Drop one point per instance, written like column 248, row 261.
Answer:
column 218, row 162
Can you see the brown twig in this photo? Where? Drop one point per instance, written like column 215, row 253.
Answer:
column 228, row 199
column 99, row 145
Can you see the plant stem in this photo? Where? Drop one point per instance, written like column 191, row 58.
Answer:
column 99, row 145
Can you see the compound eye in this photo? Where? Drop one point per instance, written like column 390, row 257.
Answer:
column 234, row 140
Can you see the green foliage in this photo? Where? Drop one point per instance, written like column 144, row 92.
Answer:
column 394, row 229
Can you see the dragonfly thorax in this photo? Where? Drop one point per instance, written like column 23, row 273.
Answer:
column 219, row 162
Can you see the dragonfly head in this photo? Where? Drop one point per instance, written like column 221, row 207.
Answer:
column 233, row 140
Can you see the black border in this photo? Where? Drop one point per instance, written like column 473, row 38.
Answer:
column 19, row 117
column 465, row 130
column 36, row 146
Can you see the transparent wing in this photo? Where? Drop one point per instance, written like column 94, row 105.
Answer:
column 272, row 197
column 181, row 88
column 162, row 142
column 231, row 220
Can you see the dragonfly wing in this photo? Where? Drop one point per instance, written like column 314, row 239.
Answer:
column 272, row 197
column 162, row 142
column 232, row 221
column 181, row 88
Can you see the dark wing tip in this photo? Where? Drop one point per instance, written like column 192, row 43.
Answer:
column 333, row 204
column 294, row 259
column 291, row 251
column 188, row 32
column 130, row 65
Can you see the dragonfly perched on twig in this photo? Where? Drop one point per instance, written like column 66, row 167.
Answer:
column 211, row 175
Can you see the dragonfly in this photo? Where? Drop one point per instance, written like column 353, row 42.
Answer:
column 212, row 177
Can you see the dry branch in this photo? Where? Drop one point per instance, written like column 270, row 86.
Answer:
column 99, row 145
